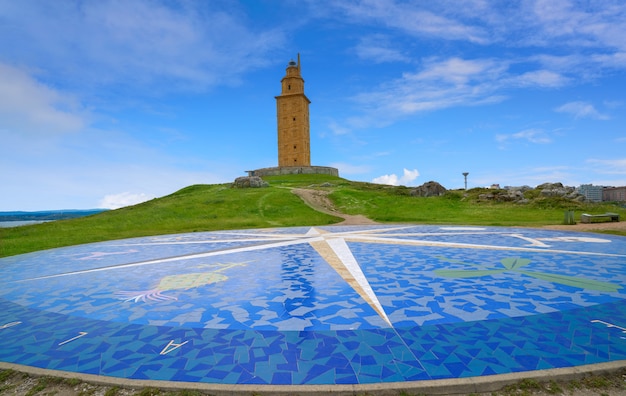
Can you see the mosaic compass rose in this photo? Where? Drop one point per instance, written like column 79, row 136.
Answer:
column 333, row 247
column 328, row 304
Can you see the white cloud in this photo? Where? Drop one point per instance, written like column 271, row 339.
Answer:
column 581, row 110
column 538, row 23
column 536, row 136
column 439, row 84
column 378, row 49
column 393, row 180
column 407, row 18
column 533, row 136
column 589, row 39
column 611, row 60
column 609, row 166
column 458, row 71
column 164, row 45
column 445, row 83
column 116, row 201
column 30, row 107
column 77, row 171
column 600, row 24
column 541, row 78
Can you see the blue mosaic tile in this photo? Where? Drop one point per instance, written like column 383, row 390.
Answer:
column 266, row 307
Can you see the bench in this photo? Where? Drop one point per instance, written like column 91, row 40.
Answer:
column 588, row 218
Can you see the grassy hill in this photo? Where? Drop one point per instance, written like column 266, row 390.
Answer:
column 220, row 207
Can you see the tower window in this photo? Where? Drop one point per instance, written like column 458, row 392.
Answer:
column 294, row 146
column 294, row 118
column 289, row 87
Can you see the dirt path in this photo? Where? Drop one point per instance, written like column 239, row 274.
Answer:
column 318, row 200
column 585, row 227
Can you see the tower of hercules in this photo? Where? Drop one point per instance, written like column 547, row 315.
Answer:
column 294, row 142
column 292, row 112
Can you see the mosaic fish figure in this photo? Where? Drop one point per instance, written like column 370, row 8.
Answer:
column 515, row 264
column 177, row 282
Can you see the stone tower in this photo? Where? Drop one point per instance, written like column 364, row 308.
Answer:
column 292, row 112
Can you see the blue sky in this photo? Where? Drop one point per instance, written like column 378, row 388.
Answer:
column 107, row 103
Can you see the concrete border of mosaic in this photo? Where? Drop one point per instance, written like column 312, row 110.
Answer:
column 453, row 386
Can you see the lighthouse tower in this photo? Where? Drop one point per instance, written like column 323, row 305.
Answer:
column 292, row 112
column 294, row 142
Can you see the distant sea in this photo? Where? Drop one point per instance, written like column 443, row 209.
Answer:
column 18, row 223
column 17, row 219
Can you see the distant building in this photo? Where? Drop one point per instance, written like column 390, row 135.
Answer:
column 614, row 194
column 592, row 193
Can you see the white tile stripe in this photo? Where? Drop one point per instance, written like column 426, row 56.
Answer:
column 341, row 249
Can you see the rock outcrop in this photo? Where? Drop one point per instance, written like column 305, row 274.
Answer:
column 249, row 182
column 429, row 189
column 546, row 190
column 558, row 190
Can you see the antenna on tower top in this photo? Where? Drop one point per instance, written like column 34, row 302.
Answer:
column 298, row 62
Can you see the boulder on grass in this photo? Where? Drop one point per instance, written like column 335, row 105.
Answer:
column 429, row 189
column 250, row 182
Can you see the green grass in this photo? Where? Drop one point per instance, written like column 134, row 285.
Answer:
column 148, row 392
column 113, row 391
column 394, row 204
column 219, row 207
column 195, row 208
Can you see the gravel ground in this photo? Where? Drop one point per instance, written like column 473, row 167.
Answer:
column 20, row 384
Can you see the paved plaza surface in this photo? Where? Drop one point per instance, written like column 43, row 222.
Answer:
column 319, row 305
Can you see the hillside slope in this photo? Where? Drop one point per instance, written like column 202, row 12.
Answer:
column 332, row 200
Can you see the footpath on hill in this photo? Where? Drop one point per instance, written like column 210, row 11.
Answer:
column 318, row 200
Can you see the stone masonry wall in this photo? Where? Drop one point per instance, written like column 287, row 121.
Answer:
column 295, row 170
